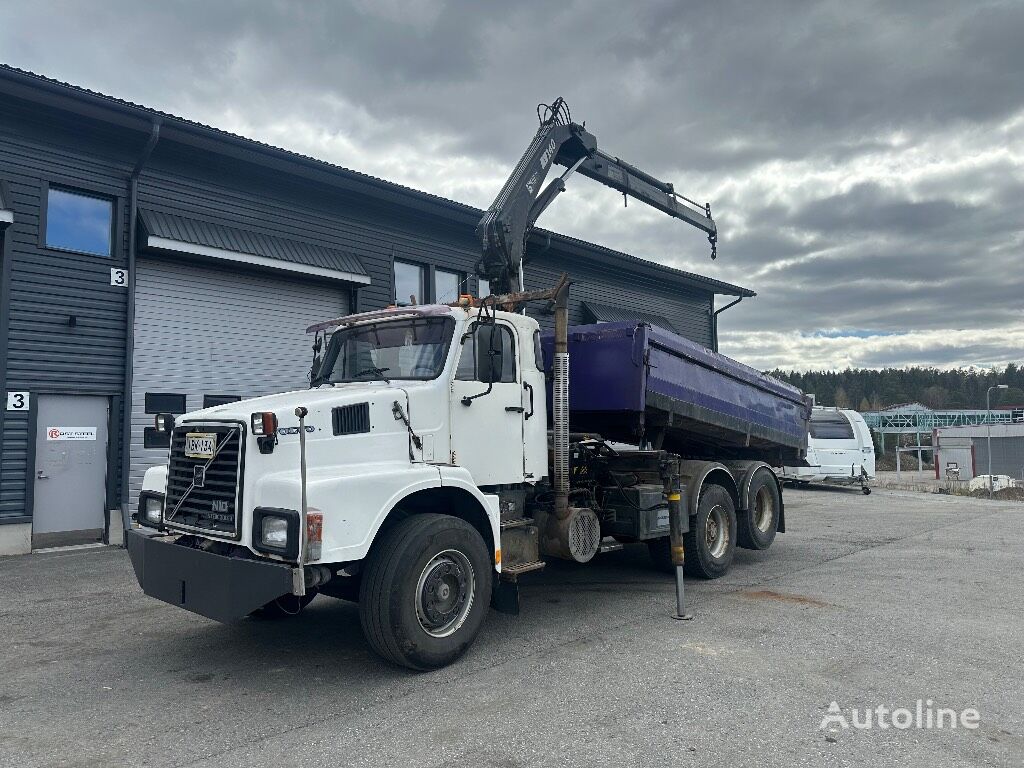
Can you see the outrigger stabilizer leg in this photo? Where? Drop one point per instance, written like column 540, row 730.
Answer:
column 676, row 529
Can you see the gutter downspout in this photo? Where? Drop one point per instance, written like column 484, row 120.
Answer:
column 129, row 347
column 714, row 319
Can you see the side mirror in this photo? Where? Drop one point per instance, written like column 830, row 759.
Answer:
column 489, row 354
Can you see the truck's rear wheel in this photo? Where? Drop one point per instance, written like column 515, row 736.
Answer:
column 711, row 541
column 756, row 526
column 425, row 591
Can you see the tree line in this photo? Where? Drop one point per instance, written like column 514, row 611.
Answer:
column 869, row 390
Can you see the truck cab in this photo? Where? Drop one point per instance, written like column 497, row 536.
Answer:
column 412, row 409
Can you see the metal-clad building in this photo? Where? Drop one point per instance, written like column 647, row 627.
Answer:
column 152, row 264
column 967, row 449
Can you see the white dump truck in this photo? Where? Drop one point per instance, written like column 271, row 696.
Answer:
column 440, row 453
column 418, row 475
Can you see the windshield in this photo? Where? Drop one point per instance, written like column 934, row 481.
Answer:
column 391, row 349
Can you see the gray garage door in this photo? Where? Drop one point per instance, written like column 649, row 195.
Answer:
column 204, row 334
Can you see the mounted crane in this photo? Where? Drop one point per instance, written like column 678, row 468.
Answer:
column 505, row 226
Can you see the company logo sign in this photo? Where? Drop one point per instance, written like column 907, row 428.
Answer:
column 70, row 433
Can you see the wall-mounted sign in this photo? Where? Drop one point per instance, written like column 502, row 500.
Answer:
column 17, row 401
column 71, row 433
column 119, row 277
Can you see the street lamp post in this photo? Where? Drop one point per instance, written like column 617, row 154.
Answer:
column 988, row 420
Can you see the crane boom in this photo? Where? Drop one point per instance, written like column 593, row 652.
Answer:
column 504, row 227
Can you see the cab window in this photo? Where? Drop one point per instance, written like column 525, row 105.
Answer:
column 488, row 355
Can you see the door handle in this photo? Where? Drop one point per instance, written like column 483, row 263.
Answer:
column 514, row 409
column 529, row 387
column 40, row 475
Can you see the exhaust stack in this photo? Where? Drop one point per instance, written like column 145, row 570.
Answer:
column 560, row 402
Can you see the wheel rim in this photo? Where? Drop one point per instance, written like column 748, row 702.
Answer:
column 764, row 509
column 717, row 532
column 444, row 593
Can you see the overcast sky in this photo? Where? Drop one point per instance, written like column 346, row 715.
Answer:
column 865, row 162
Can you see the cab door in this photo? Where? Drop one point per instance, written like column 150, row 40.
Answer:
column 487, row 404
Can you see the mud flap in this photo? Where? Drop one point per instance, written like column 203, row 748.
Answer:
column 505, row 597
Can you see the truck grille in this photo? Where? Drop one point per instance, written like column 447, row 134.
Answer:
column 203, row 494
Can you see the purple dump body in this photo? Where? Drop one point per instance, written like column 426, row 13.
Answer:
column 631, row 381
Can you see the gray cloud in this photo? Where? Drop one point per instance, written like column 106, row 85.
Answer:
column 865, row 160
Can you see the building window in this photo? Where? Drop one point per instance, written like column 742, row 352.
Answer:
column 410, row 281
column 153, row 438
column 78, row 222
column 165, row 402
column 211, row 401
column 447, row 286
column 483, row 287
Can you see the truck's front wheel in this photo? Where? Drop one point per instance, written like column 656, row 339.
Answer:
column 425, row 591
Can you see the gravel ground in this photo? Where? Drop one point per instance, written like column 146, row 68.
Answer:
column 867, row 601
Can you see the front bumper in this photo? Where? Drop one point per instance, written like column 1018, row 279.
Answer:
column 218, row 587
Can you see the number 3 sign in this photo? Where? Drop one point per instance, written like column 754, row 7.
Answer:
column 17, row 401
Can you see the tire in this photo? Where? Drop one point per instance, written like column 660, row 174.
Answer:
column 715, row 518
column 286, row 606
column 425, row 591
column 756, row 527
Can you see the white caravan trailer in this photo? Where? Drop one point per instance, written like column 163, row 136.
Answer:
column 839, row 450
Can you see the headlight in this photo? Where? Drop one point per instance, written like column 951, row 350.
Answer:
column 151, row 508
column 154, row 508
column 275, row 532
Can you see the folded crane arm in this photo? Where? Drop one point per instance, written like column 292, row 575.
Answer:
column 503, row 229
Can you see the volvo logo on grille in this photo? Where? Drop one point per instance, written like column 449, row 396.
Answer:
column 199, row 476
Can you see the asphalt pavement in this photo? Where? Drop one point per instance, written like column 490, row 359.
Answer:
column 866, row 601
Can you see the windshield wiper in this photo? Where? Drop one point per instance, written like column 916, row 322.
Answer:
column 376, row 371
column 319, row 381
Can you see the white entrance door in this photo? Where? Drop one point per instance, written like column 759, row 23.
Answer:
column 71, row 469
column 487, row 405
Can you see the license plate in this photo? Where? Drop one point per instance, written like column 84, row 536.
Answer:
column 200, row 445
